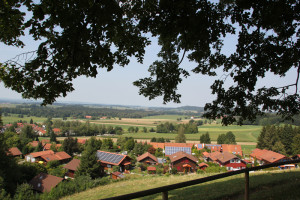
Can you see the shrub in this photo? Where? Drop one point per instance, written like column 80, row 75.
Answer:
column 174, row 171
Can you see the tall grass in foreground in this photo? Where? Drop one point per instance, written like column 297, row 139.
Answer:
column 263, row 185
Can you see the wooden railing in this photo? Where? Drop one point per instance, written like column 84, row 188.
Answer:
column 164, row 189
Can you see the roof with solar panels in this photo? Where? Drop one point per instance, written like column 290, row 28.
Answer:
column 111, row 158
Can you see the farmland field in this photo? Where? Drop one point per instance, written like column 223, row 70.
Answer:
column 245, row 134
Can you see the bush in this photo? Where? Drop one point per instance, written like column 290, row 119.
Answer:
column 174, row 171
column 200, row 171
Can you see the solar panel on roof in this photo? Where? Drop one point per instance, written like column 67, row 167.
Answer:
column 169, row 150
column 109, row 157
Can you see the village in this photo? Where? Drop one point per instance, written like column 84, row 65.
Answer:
column 118, row 161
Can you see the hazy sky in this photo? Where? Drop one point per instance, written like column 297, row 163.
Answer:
column 116, row 87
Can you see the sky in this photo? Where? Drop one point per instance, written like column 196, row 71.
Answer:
column 116, row 87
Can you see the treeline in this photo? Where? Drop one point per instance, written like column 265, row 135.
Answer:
column 281, row 139
column 85, row 129
column 273, row 119
column 76, row 111
column 168, row 127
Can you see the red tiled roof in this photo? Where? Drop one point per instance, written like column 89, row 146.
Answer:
column 44, row 182
column 177, row 156
column 269, row 156
column 41, row 153
column 232, row 148
column 62, row 155
column 73, row 164
column 56, row 156
column 203, row 165
column 81, row 141
column 14, row 151
column 48, row 146
column 56, row 130
column 145, row 155
column 157, row 145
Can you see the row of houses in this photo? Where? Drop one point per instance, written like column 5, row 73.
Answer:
column 171, row 148
column 40, row 131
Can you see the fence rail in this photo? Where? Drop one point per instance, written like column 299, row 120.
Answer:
column 164, row 189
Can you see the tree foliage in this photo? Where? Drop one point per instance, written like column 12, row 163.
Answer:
column 89, row 165
column 80, row 42
column 205, row 138
column 281, row 139
column 180, row 137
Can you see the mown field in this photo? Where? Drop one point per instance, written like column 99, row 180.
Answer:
column 282, row 184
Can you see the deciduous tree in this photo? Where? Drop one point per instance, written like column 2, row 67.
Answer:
column 80, row 43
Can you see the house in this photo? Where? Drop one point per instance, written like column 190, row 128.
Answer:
column 211, row 157
column 88, row 117
column 151, row 170
column 72, row 167
column 108, row 160
column 147, row 158
column 183, row 162
column 296, row 157
column 15, row 152
column 203, row 166
column 226, row 159
column 57, row 131
column 117, row 175
column 44, row 182
column 214, row 147
column 36, row 156
column 232, row 148
column 265, row 156
column 48, row 146
column 81, row 141
column 61, row 156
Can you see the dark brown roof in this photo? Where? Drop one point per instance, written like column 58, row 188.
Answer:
column 177, row 156
column 73, row 165
column 14, row 151
column 145, row 155
column 44, row 182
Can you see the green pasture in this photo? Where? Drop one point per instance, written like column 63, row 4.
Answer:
column 170, row 117
column 247, row 149
column 15, row 118
column 242, row 133
column 263, row 185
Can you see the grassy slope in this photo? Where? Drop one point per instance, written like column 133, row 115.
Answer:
column 275, row 185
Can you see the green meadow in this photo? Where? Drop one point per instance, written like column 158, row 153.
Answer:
column 246, row 133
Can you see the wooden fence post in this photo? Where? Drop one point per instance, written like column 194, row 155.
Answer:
column 247, row 185
column 165, row 195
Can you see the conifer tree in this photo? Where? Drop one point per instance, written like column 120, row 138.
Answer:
column 89, row 165
column 180, row 138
